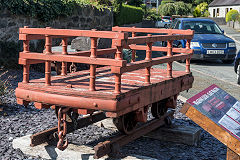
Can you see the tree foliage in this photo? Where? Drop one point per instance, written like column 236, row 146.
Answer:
column 196, row 2
column 232, row 15
column 167, row 1
column 178, row 8
column 201, row 10
column 136, row 3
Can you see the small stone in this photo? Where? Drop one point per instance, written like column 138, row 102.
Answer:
column 10, row 138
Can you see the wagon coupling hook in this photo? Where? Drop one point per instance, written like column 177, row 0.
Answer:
column 60, row 144
column 62, row 128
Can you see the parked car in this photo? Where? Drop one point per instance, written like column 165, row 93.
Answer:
column 237, row 67
column 162, row 24
column 209, row 41
column 167, row 19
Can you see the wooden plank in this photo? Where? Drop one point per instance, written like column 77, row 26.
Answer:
column 72, row 32
column 162, row 49
column 74, row 59
column 155, row 61
column 178, row 134
column 211, row 127
column 153, row 30
column 155, row 38
column 232, row 155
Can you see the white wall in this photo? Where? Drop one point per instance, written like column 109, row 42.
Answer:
column 222, row 10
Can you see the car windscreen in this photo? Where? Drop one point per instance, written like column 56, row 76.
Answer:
column 202, row 27
column 166, row 17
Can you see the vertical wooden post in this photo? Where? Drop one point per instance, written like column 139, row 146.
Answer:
column 64, row 52
column 133, row 51
column 93, row 66
column 27, row 66
column 148, row 58
column 169, row 53
column 48, row 47
column 118, row 76
column 188, row 59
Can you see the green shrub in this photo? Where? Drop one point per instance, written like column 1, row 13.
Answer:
column 152, row 14
column 201, row 10
column 129, row 14
column 47, row 10
column 177, row 8
column 232, row 15
column 167, row 1
column 9, row 54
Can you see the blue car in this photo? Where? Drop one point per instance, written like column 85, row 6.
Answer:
column 237, row 67
column 209, row 41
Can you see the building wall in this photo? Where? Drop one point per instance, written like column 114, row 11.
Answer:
column 222, row 10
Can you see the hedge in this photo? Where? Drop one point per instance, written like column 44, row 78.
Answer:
column 46, row 10
column 128, row 14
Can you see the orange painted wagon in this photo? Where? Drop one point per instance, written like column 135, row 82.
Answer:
column 121, row 90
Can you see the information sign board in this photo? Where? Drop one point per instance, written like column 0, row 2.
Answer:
column 220, row 107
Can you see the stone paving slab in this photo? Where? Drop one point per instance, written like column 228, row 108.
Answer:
column 73, row 152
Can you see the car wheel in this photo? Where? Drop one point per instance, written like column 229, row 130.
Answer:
column 236, row 64
column 165, row 26
column 238, row 74
column 228, row 61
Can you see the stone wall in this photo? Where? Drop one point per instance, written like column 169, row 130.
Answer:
column 83, row 18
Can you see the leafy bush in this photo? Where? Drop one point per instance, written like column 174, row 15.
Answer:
column 152, row 14
column 46, row 10
column 9, row 54
column 201, row 10
column 232, row 15
column 129, row 14
column 167, row 1
column 136, row 3
column 177, row 8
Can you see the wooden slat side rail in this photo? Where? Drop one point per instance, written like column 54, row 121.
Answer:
column 152, row 30
column 36, row 36
column 154, row 38
column 211, row 127
column 143, row 64
column 73, row 33
column 74, row 59
column 161, row 49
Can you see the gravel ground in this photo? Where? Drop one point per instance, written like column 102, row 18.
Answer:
column 17, row 121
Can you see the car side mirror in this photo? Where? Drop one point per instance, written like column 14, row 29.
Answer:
column 222, row 31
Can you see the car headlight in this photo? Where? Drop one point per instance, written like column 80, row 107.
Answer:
column 232, row 44
column 194, row 44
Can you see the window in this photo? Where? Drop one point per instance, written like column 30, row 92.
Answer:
column 214, row 11
column 177, row 25
column 226, row 11
column 202, row 27
column 217, row 11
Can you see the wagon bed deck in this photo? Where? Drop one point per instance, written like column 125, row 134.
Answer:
column 77, row 84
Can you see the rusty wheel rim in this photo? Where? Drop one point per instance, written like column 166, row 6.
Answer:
column 126, row 123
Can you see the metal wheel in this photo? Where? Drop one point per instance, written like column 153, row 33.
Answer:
column 125, row 123
column 159, row 108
